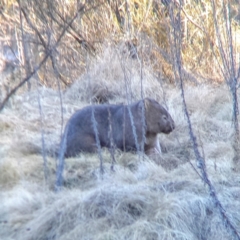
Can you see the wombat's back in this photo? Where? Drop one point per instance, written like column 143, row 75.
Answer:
column 80, row 129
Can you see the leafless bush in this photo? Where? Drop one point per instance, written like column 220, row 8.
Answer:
column 176, row 45
column 49, row 52
column 230, row 69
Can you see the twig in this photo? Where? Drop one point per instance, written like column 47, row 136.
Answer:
column 48, row 53
column 110, row 136
column 75, row 34
column 25, row 55
column 94, row 124
column 60, row 166
column 45, row 45
column 14, row 90
column 129, row 111
column 133, row 128
column 143, row 110
column 45, row 167
column 175, row 23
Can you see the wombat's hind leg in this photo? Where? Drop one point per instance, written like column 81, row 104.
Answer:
column 88, row 144
column 81, row 143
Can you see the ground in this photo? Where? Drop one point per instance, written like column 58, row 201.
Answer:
column 143, row 198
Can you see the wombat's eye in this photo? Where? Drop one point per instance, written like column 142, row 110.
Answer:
column 164, row 118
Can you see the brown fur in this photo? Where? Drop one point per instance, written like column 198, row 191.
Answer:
column 115, row 127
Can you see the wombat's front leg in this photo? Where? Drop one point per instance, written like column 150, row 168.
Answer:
column 157, row 146
column 152, row 145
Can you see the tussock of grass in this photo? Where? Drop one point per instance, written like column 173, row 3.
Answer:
column 9, row 175
column 108, row 78
column 176, row 210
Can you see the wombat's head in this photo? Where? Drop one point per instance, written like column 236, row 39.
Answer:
column 157, row 117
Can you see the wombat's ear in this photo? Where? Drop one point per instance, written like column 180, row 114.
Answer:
column 147, row 102
column 140, row 105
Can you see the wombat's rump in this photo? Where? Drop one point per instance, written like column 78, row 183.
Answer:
column 121, row 126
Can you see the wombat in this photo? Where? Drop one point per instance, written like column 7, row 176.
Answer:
column 126, row 127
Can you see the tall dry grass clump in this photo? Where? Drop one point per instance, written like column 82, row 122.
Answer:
column 114, row 77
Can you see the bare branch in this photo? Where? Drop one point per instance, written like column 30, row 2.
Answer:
column 95, row 128
column 48, row 54
column 177, row 46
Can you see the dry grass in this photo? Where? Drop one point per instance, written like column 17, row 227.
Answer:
column 114, row 77
column 142, row 199
column 144, row 25
column 158, row 198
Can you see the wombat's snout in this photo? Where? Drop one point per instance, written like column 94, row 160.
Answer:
column 171, row 125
